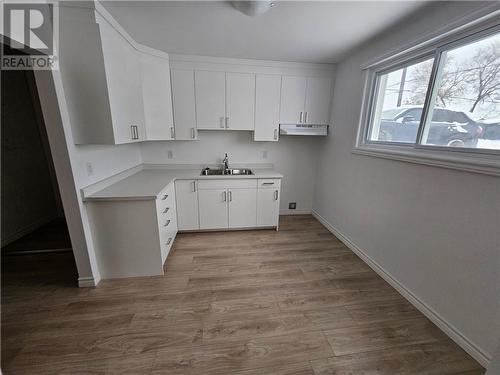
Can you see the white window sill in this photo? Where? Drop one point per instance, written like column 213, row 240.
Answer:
column 453, row 159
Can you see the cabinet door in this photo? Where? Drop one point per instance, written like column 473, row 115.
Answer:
column 186, row 196
column 157, row 97
column 268, row 207
column 267, row 107
column 124, row 84
column 318, row 100
column 210, row 92
column 213, row 209
column 293, row 96
column 183, row 104
column 242, row 208
column 240, row 100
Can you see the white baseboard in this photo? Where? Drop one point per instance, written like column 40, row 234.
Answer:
column 87, row 282
column 285, row 212
column 474, row 350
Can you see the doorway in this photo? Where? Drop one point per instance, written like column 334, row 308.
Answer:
column 33, row 225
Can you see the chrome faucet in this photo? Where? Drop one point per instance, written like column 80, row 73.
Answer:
column 225, row 161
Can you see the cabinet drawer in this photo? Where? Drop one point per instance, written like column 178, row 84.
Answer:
column 269, row 183
column 227, row 184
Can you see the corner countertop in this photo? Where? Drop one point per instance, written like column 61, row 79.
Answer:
column 146, row 183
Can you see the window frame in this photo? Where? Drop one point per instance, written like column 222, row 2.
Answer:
column 464, row 158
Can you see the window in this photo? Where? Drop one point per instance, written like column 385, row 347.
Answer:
column 398, row 104
column 467, row 88
column 445, row 99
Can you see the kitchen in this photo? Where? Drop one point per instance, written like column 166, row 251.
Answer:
column 226, row 200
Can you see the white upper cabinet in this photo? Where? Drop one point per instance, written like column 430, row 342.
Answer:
column 267, row 107
column 318, row 100
column 240, row 101
column 157, row 97
column 305, row 100
column 123, row 76
column 210, row 91
column 293, row 98
column 183, row 102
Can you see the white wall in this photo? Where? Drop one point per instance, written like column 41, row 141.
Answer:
column 434, row 230
column 295, row 157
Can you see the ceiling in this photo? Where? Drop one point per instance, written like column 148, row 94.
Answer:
column 302, row 31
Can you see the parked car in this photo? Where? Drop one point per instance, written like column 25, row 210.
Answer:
column 448, row 127
column 490, row 137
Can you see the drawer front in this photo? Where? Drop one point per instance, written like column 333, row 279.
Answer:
column 272, row 183
column 227, row 184
column 167, row 196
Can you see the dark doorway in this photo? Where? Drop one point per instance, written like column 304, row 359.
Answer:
column 32, row 215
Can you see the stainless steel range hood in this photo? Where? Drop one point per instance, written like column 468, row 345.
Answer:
column 302, row 129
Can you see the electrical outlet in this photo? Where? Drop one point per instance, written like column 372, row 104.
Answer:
column 292, row 205
column 264, row 154
column 170, row 154
column 89, row 168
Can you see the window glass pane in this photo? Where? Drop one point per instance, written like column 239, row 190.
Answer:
column 466, row 97
column 400, row 96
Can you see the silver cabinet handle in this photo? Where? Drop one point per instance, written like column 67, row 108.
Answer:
column 268, row 183
column 224, row 196
column 167, row 223
column 227, row 122
column 169, row 240
column 305, row 117
column 164, row 197
column 194, row 186
column 193, row 134
column 276, row 195
column 230, row 196
column 275, row 133
column 301, row 116
column 172, row 132
column 221, row 122
column 166, row 210
column 135, row 131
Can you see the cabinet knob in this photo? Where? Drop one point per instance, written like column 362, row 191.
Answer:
column 164, row 197
column 276, row 195
column 168, row 241
column 172, row 133
column 193, row 133
column 167, row 223
column 166, row 210
column 275, row 133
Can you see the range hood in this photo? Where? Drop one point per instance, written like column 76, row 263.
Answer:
column 302, row 129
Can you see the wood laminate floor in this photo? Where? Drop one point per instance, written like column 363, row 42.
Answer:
column 295, row 302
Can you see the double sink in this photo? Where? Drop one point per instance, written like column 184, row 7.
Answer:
column 226, row 172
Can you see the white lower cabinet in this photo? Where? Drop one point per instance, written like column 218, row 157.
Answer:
column 226, row 204
column 186, row 193
column 268, row 202
column 133, row 237
column 213, row 208
column 242, row 208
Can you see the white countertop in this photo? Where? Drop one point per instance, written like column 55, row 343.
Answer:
column 148, row 183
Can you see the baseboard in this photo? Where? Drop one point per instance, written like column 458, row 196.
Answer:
column 28, row 229
column 87, row 282
column 285, row 212
column 477, row 353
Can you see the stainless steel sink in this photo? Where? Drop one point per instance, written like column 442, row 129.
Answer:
column 230, row 172
column 238, row 172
